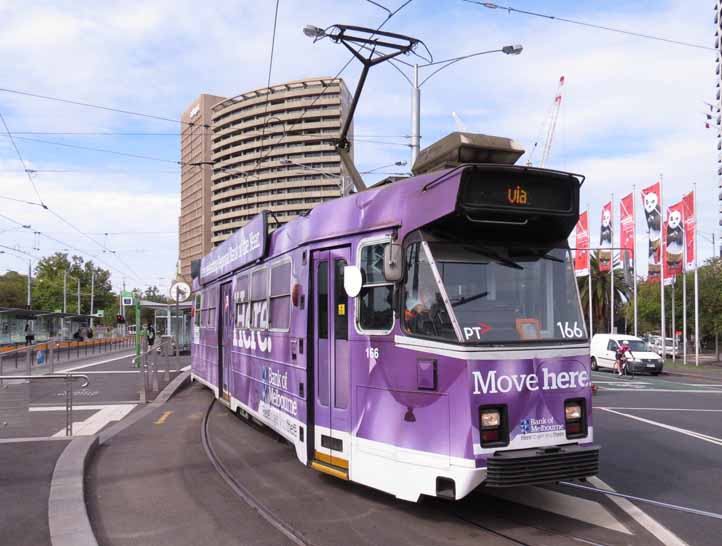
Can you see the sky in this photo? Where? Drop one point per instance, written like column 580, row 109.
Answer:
column 632, row 111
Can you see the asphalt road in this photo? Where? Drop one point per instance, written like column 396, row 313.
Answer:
column 661, row 438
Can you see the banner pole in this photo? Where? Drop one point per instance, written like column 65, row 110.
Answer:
column 611, row 268
column 589, row 269
column 696, row 281
column 662, row 257
column 634, row 252
column 684, row 293
column 674, row 329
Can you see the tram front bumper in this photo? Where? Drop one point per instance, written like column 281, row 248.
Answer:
column 542, row 465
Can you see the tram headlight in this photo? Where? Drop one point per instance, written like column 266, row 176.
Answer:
column 490, row 418
column 575, row 418
column 493, row 426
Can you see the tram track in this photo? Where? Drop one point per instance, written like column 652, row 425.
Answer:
column 501, row 532
column 242, row 492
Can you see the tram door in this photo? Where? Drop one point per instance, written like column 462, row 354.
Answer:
column 225, row 340
column 331, row 361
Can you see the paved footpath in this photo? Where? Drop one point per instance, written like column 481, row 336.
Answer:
column 31, row 445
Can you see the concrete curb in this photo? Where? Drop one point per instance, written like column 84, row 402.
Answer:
column 67, row 512
column 695, row 375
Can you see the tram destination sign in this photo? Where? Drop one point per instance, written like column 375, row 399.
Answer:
column 245, row 246
column 518, row 190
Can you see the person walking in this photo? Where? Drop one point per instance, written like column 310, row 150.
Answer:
column 151, row 335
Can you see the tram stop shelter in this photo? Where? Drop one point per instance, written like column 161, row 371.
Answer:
column 167, row 322
column 44, row 325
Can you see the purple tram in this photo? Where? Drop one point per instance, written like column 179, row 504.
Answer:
column 422, row 337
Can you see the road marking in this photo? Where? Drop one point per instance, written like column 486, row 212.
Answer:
column 699, row 436
column 638, row 388
column 664, row 535
column 699, row 385
column 87, row 407
column 655, row 409
column 162, row 419
column 570, row 506
column 91, row 425
column 83, row 366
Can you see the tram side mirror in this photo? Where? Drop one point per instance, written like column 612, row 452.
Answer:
column 393, row 262
column 352, row 280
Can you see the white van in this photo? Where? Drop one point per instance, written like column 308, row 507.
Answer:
column 643, row 359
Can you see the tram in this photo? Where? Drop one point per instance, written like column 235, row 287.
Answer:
column 422, row 337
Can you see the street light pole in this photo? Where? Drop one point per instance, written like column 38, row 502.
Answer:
column 415, row 116
column 416, row 89
column 92, row 296
column 30, row 278
column 65, row 291
column 78, row 295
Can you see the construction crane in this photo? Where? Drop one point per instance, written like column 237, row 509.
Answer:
column 551, row 125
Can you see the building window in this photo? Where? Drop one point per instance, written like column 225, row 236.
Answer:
column 375, row 314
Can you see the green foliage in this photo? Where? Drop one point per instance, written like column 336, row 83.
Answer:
column 48, row 286
column 13, row 290
column 601, row 281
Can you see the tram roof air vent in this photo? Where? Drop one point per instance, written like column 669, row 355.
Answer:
column 458, row 148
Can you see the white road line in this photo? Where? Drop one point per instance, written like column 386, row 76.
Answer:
column 91, row 425
column 655, row 409
column 664, row 535
column 699, row 385
column 699, row 436
column 636, row 389
column 570, row 506
column 83, row 366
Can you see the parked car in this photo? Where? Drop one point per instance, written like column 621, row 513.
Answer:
column 642, row 358
column 672, row 349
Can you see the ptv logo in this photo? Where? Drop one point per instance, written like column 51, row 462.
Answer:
column 475, row 332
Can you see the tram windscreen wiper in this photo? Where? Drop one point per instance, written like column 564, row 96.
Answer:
column 494, row 256
column 462, row 301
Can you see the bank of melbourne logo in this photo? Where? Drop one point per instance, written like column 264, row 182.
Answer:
column 266, row 387
column 525, row 426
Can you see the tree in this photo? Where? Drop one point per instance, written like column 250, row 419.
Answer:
column 48, row 285
column 600, row 294
column 13, row 290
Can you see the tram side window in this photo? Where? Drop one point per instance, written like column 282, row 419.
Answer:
column 375, row 306
column 259, row 299
column 241, row 299
column 280, row 308
column 197, row 311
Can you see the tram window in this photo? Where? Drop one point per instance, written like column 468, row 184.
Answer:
column 197, row 311
column 322, row 300
column 241, row 298
column 340, row 328
column 280, row 307
column 259, row 299
column 375, row 311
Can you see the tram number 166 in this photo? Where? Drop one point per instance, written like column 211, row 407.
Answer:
column 569, row 331
column 372, row 353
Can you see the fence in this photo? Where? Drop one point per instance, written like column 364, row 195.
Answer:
column 54, row 352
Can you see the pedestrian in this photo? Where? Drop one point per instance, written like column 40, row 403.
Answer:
column 151, row 335
column 28, row 334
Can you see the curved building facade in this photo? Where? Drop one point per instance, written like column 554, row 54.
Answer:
column 272, row 150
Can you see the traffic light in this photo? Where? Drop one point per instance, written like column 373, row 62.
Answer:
column 120, row 319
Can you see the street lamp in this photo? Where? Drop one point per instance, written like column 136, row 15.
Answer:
column 395, row 164
column 416, row 87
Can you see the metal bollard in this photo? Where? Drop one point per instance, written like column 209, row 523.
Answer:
column 51, row 356
column 68, row 405
column 154, row 378
column 28, row 359
column 142, row 385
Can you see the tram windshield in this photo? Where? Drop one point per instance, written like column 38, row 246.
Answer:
column 479, row 295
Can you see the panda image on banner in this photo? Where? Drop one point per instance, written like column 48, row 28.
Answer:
column 654, row 224
column 675, row 238
column 605, row 238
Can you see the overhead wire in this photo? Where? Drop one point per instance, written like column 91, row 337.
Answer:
column 98, row 107
column 509, row 9
column 22, row 161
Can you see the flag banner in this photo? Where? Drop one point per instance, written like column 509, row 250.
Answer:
column 605, row 238
column 690, row 225
column 651, row 199
column 626, row 224
column 674, row 241
column 581, row 254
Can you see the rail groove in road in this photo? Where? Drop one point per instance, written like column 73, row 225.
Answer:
column 242, row 492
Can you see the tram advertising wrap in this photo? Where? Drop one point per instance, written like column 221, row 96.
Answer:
column 423, row 337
